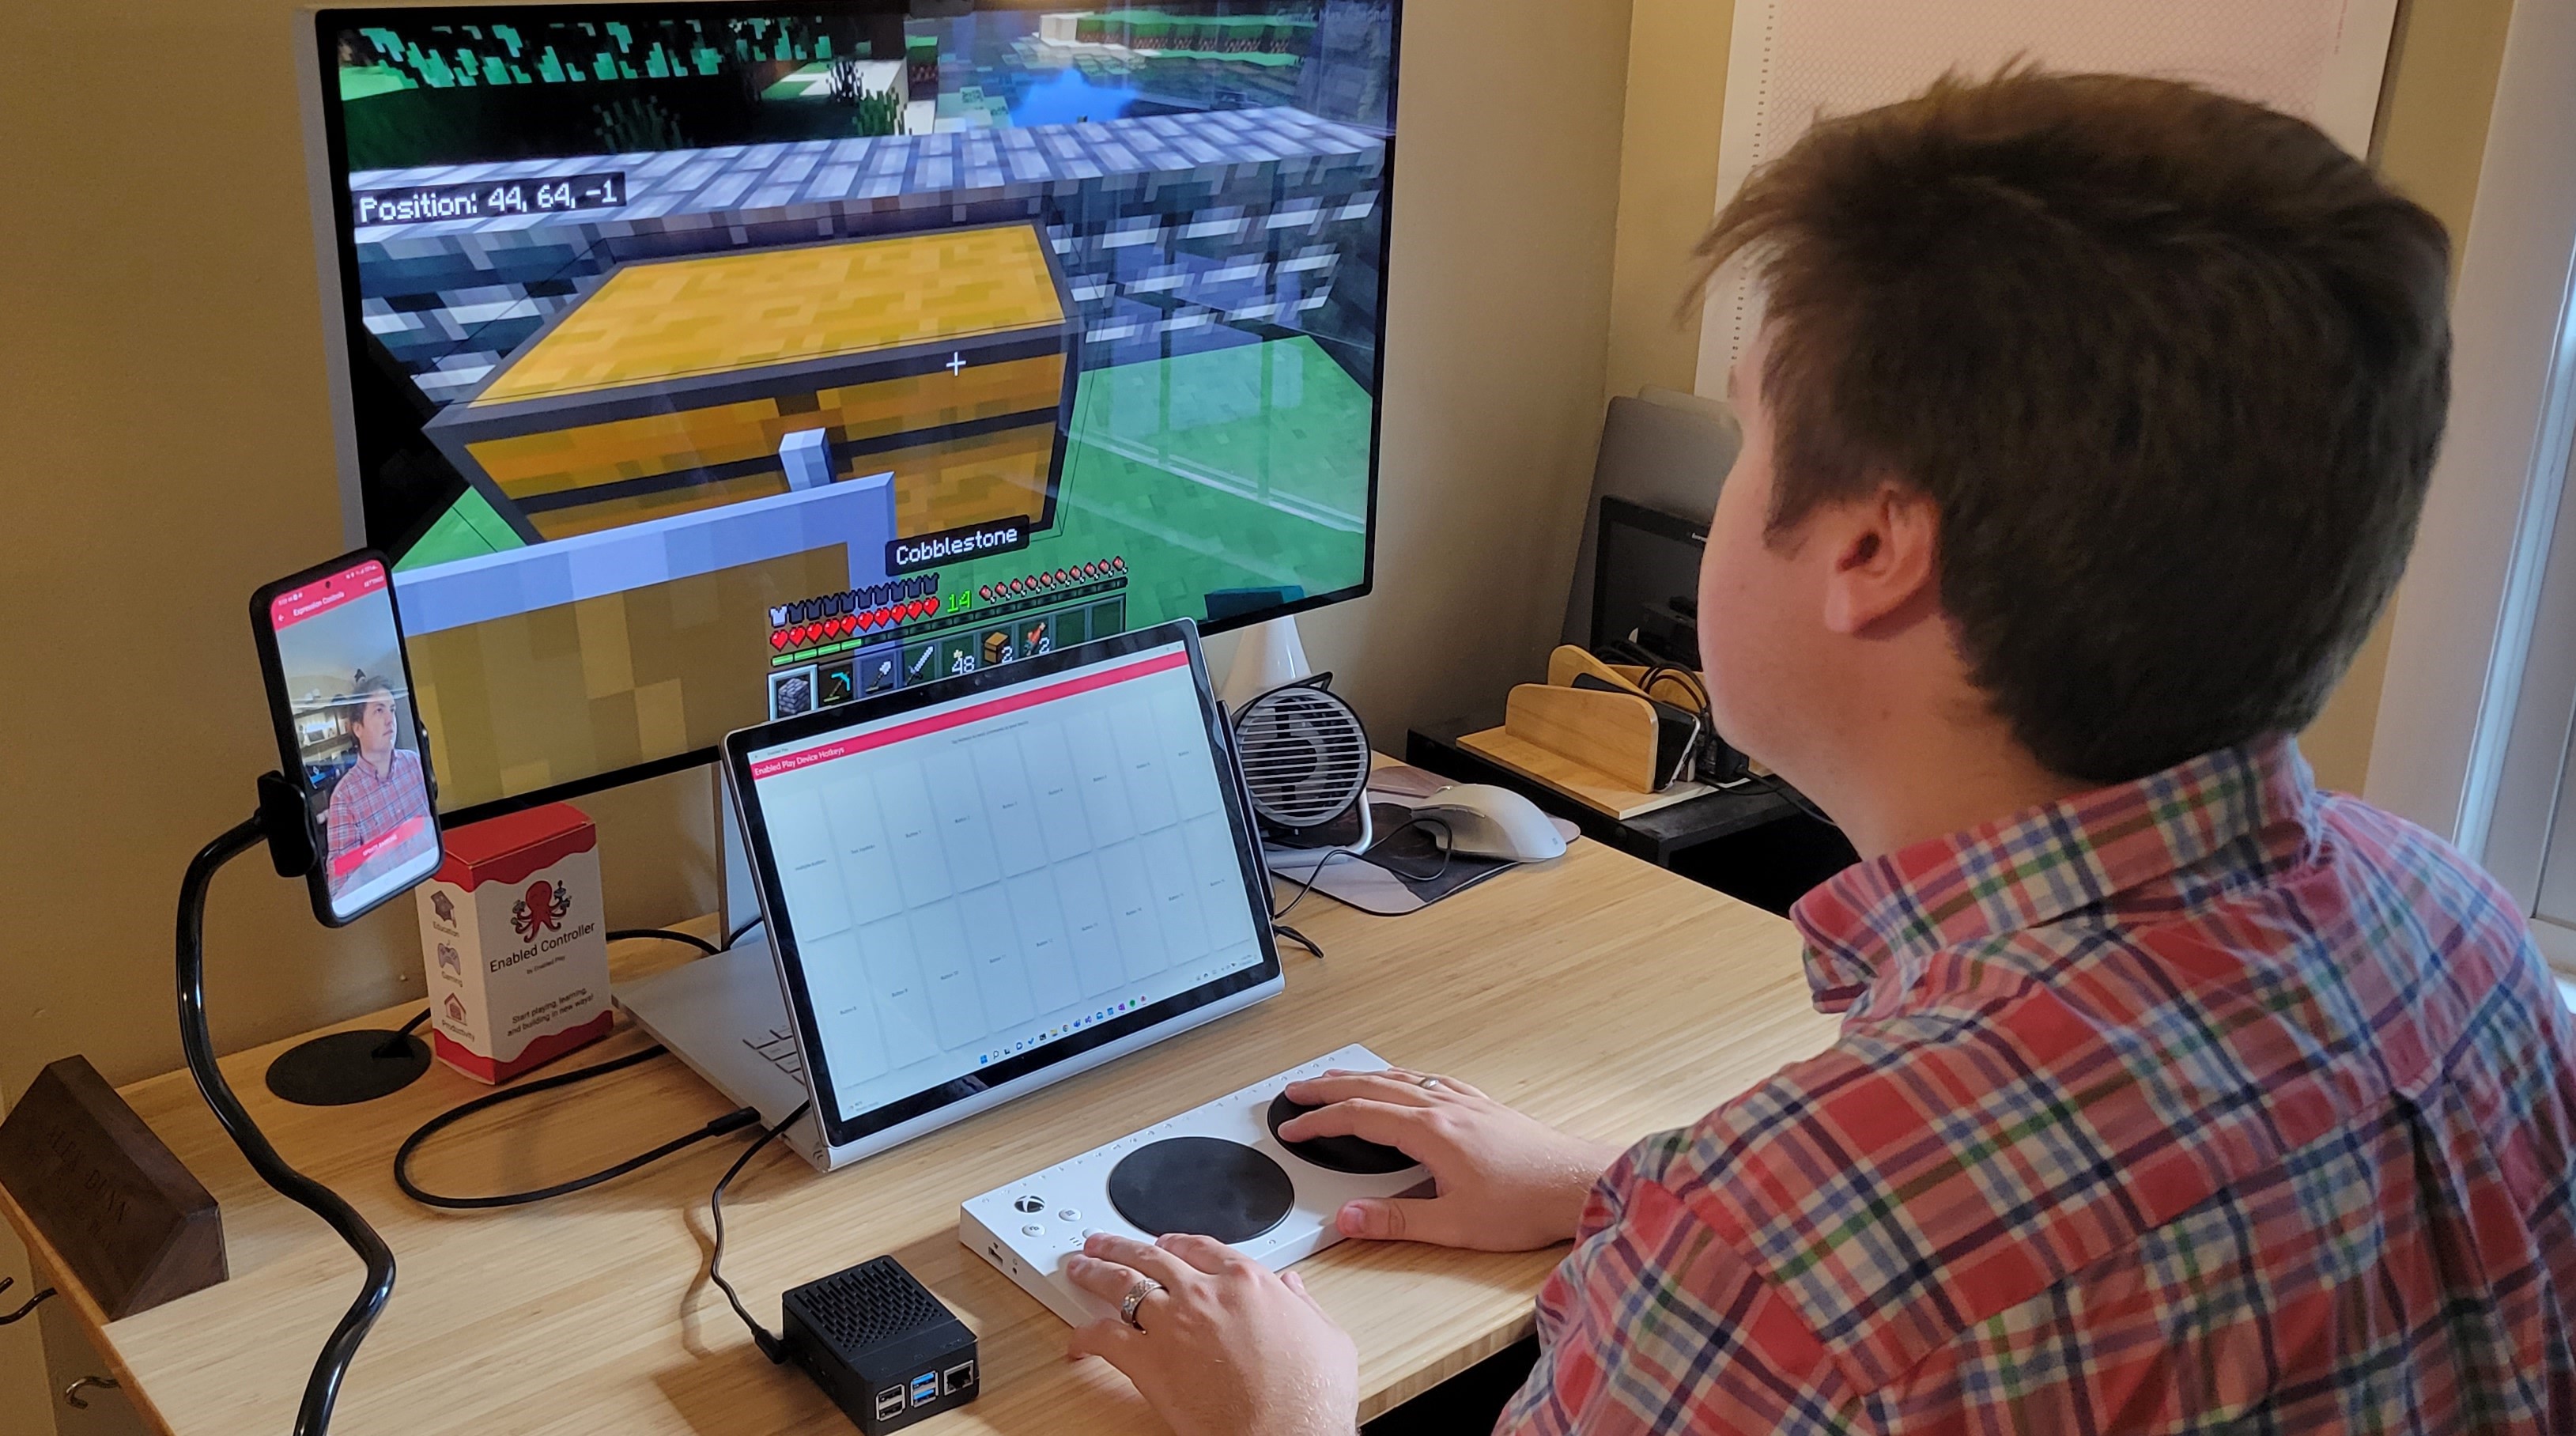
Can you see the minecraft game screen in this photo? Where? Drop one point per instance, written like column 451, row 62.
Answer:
column 713, row 363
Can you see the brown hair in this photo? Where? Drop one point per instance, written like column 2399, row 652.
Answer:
column 2172, row 366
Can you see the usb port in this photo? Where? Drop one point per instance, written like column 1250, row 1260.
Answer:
column 925, row 1388
column 957, row 1378
column 889, row 1402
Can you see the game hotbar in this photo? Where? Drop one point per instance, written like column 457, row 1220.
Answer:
column 712, row 363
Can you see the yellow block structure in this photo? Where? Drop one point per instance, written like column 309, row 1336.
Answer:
column 947, row 357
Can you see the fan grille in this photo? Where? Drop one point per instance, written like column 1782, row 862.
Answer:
column 1305, row 756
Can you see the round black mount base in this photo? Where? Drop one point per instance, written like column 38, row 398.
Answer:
column 347, row 1067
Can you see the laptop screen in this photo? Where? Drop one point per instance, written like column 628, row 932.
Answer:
column 1034, row 861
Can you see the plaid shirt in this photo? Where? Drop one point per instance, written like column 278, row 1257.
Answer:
column 365, row 808
column 2205, row 1102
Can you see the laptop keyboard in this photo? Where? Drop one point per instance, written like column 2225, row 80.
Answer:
column 778, row 1048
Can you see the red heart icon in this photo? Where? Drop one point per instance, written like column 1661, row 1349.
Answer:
column 778, row 639
column 884, row 616
column 930, row 605
column 916, row 609
column 849, row 623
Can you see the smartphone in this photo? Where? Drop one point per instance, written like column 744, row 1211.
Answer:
column 339, row 687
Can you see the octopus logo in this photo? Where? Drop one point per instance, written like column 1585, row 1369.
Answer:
column 543, row 907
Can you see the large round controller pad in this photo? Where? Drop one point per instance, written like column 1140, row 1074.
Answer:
column 1335, row 1154
column 1205, row 1186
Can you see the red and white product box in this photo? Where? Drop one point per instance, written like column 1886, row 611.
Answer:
column 516, row 944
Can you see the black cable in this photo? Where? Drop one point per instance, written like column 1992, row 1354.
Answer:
column 1797, row 800
column 667, row 935
column 1299, row 938
column 1445, row 841
column 736, row 935
column 28, row 1308
column 769, row 1343
column 733, row 1121
column 322, row 1388
column 394, row 1046
column 1305, row 887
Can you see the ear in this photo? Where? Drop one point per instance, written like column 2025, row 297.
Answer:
column 1884, row 552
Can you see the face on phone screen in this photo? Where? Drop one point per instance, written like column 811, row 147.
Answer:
column 357, row 748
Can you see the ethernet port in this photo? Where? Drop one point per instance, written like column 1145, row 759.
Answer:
column 957, row 1378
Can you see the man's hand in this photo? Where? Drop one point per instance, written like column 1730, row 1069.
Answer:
column 1228, row 1347
column 1506, row 1182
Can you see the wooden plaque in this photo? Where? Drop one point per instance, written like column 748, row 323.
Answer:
column 134, row 1226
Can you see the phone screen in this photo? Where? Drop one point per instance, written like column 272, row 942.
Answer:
column 353, row 741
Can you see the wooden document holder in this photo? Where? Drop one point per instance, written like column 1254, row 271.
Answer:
column 1596, row 746
column 123, row 1217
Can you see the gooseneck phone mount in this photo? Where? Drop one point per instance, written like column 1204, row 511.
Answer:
column 280, row 823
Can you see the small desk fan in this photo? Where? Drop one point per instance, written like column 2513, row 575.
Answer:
column 1305, row 761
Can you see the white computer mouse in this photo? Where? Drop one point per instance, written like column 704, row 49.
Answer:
column 1489, row 822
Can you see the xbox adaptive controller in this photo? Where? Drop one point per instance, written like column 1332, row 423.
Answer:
column 1219, row 1169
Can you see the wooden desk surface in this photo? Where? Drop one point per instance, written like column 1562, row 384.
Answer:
column 1596, row 992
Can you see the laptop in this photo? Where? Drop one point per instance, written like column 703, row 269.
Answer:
column 975, row 888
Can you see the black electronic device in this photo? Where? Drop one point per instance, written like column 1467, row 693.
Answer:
column 1645, row 610
column 318, row 622
column 1645, row 582
column 880, row 1345
column 1677, row 731
column 349, row 740
column 353, row 810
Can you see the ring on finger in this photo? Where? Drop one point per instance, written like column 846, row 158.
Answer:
column 1428, row 1084
column 1145, row 1286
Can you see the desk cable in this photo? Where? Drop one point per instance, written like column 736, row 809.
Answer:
column 733, row 1121
column 770, row 1343
column 1307, row 883
column 1304, row 887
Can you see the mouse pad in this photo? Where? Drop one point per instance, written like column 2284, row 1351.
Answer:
column 1403, row 871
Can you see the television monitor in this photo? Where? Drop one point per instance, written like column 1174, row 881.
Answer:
column 703, row 364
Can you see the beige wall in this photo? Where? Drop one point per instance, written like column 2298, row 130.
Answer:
column 2431, row 132
column 1667, row 186
column 167, row 449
